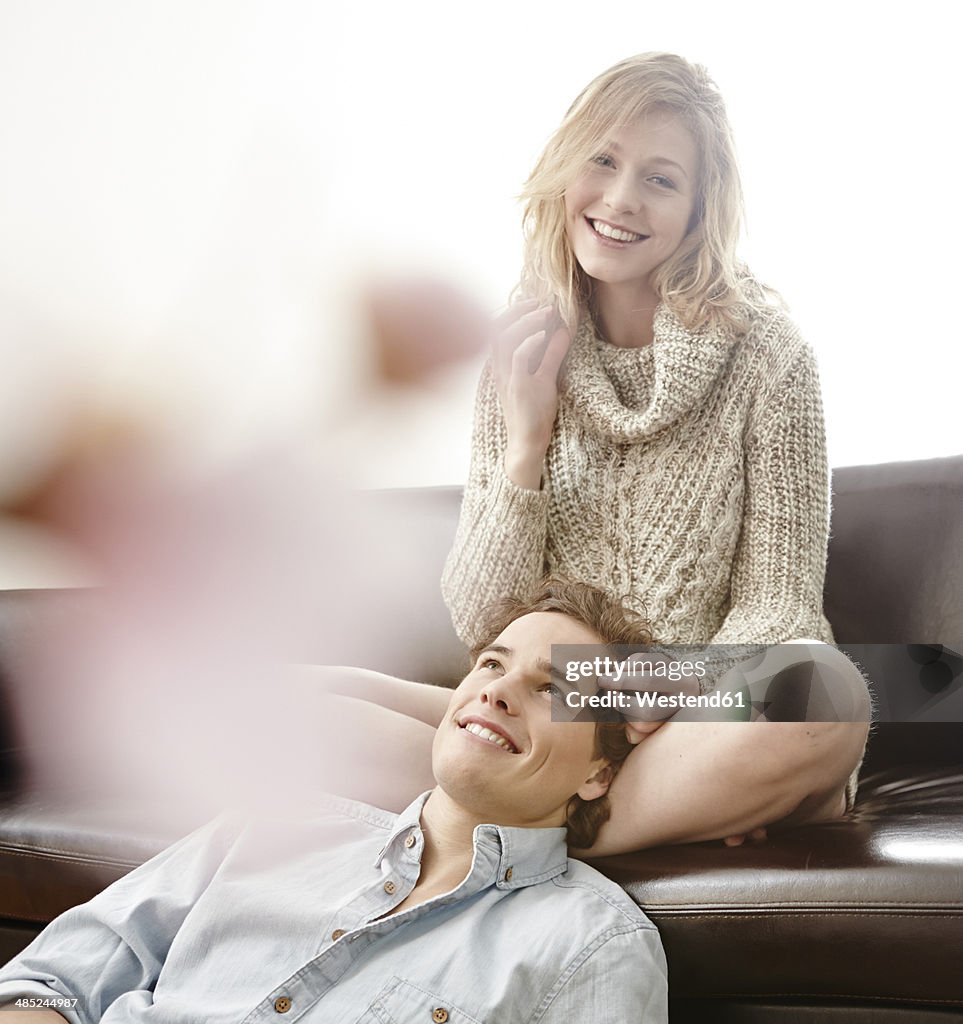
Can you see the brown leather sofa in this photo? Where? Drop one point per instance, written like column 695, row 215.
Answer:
column 860, row 920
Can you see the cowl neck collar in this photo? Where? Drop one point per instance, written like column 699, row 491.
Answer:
column 683, row 366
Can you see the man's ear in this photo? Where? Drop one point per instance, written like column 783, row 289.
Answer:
column 598, row 784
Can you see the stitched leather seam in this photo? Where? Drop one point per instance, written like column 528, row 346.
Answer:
column 67, row 857
column 29, row 918
column 826, row 913
column 903, row 1000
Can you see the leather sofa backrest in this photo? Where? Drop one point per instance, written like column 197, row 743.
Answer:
column 895, row 571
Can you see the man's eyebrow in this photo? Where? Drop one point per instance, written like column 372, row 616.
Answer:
column 496, row 649
column 553, row 670
column 664, row 160
column 543, row 664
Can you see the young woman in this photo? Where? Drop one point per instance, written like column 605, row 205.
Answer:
column 650, row 422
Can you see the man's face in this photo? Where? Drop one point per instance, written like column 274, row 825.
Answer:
column 497, row 751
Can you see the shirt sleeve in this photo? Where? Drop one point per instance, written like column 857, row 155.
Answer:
column 621, row 977
column 499, row 548
column 780, row 565
column 117, row 942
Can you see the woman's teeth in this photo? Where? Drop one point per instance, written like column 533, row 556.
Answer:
column 487, row 734
column 615, row 233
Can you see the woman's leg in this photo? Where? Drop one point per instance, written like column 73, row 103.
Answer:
column 696, row 780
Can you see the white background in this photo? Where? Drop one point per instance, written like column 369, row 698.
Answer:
column 190, row 192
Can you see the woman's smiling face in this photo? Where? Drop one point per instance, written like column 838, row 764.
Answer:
column 629, row 211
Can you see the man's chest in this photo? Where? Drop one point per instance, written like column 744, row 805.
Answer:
column 302, row 951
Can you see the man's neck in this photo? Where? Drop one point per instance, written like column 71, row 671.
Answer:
column 448, row 830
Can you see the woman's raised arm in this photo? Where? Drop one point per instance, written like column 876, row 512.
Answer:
column 500, row 541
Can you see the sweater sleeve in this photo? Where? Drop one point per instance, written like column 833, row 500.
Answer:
column 780, row 565
column 499, row 548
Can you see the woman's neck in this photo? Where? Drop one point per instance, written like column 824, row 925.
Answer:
column 623, row 316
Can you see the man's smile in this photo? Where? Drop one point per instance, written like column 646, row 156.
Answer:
column 488, row 732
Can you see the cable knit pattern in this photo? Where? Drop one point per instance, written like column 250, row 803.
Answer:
column 688, row 478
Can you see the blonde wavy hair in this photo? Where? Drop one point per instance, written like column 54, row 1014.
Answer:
column 702, row 282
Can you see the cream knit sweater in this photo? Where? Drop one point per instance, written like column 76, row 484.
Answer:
column 688, row 477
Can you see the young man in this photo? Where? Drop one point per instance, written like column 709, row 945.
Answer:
column 463, row 908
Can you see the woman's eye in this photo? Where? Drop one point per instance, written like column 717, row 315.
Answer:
column 490, row 663
column 603, row 160
column 662, row 181
column 551, row 689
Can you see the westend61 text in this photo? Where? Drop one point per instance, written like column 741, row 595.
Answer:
column 620, row 700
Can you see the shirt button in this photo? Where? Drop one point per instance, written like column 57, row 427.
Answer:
column 508, row 875
column 439, row 1015
column 336, row 934
column 282, row 1004
column 410, row 841
column 389, row 887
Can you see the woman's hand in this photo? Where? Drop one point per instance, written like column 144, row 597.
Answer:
column 527, row 354
column 756, row 836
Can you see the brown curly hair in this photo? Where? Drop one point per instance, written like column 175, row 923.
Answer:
column 613, row 623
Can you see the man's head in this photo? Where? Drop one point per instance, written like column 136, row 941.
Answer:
column 498, row 751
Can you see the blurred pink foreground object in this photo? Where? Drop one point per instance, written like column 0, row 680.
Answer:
column 170, row 682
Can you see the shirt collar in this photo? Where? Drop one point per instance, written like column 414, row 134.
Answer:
column 524, row 856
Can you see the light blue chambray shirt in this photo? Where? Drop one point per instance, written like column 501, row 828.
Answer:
column 278, row 920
